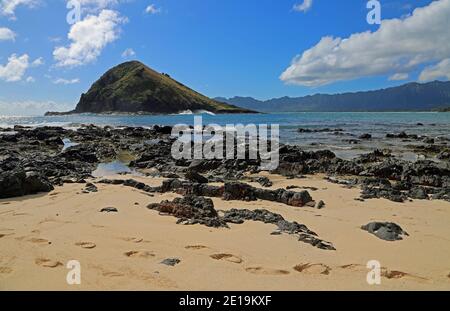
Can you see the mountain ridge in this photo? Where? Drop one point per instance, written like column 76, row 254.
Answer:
column 407, row 97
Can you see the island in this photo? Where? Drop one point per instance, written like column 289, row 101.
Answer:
column 134, row 88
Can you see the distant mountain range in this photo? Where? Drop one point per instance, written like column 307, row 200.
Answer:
column 408, row 97
column 134, row 88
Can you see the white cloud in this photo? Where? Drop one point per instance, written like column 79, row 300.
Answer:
column 89, row 37
column 15, row 68
column 303, row 7
column 95, row 5
column 398, row 77
column 399, row 45
column 30, row 79
column 438, row 71
column 128, row 53
column 98, row 3
column 54, row 39
column 152, row 9
column 66, row 81
column 32, row 108
column 7, row 34
column 38, row 62
column 8, row 7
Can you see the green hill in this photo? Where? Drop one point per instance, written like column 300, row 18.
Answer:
column 132, row 87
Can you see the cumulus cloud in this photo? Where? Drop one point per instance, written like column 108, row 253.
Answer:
column 128, row 53
column 94, row 6
column 398, row 46
column 88, row 39
column 66, row 81
column 8, row 7
column 15, row 69
column 30, row 79
column 303, row 7
column 31, row 108
column 438, row 71
column 38, row 62
column 399, row 77
column 7, row 34
column 152, row 9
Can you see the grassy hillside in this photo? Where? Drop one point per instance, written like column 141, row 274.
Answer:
column 132, row 87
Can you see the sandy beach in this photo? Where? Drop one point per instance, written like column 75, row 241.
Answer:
column 39, row 234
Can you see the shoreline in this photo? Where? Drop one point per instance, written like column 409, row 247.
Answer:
column 297, row 228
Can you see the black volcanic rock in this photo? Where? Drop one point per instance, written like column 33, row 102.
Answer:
column 387, row 231
column 132, row 87
column 18, row 182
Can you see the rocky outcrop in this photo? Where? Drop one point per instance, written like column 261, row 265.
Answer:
column 379, row 173
column 192, row 210
column 387, row 231
column 19, row 182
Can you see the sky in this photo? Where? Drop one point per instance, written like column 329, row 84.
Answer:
column 259, row 48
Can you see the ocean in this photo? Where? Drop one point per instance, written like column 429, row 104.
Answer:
column 434, row 125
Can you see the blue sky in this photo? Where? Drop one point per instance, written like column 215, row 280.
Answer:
column 220, row 48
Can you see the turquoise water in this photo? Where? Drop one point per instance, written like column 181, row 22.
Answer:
column 353, row 124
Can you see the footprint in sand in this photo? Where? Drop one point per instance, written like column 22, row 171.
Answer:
column 395, row 275
column 47, row 263
column 313, row 268
column 389, row 274
column 5, row 270
column 139, row 254
column 195, row 247
column 354, row 267
column 112, row 274
column 227, row 257
column 40, row 241
column 21, row 214
column 86, row 245
column 266, row 271
column 133, row 240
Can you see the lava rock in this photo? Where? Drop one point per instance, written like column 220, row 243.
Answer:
column 320, row 205
column 191, row 210
column 196, row 177
column 418, row 193
column 387, row 231
column 305, row 235
column 444, row 155
column 18, row 183
column 109, row 210
column 90, row 187
column 365, row 136
column 263, row 181
column 171, row 262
